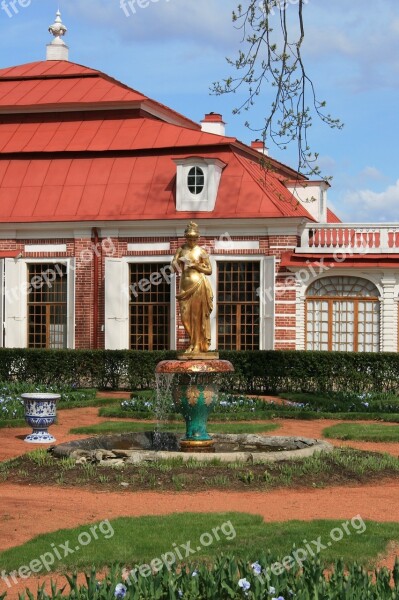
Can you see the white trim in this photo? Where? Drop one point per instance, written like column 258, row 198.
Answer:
column 146, row 228
column 48, row 248
column 205, row 200
column 2, row 319
column 16, row 306
column 126, row 260
column 266, row 308
column 237, row 245
column 148, row 247
column 283, row 247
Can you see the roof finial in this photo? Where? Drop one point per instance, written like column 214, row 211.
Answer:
column 57, row 50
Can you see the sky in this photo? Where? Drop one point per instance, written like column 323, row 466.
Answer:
column 173, row 50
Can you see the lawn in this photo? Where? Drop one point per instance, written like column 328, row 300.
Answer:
column 129, row 427
column 365, row 433
column 130, row 541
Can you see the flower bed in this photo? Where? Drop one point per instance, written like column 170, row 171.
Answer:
column 12, row 406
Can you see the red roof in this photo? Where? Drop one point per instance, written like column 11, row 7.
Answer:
column 127, row 188
column 76, row 145
column 332, row 217
column 62, row 84
column 77, row 132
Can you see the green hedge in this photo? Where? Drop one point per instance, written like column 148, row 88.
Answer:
column 266, row 372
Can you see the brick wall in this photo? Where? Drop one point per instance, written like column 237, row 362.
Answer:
column 85, row 253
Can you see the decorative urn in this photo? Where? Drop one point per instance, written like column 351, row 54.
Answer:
column 40, row 413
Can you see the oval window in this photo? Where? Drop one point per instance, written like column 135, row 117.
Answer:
column 196, row 180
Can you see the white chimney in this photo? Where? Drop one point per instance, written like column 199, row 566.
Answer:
column 57, row 50
column 213, row 123
column 259, row 146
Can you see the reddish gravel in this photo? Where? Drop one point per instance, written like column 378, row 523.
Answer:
column 27, row 511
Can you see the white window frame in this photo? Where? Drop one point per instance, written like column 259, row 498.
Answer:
column 122, row 316
column 206, row 200
column 266, row 302
column 12, row 320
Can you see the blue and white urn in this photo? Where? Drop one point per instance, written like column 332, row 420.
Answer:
column 40, row 413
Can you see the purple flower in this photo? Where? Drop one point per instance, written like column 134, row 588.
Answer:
column 244, row 584
column 120, row 591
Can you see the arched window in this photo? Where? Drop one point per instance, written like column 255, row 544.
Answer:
column 343, row 314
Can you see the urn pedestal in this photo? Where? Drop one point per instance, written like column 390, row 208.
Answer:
column 40, row 413
column 195, row 391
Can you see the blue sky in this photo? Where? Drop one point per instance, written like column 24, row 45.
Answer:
column 172, row 50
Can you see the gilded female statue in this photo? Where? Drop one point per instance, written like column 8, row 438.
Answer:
column 195, row 296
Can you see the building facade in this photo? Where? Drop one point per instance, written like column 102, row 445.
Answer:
column 97, row 184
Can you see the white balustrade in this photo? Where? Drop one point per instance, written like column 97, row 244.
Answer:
column 354, row 237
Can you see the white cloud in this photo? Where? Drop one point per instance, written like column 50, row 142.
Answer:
column 152, row 21
column 369, row 206
column 372, row 173
column 365, row 36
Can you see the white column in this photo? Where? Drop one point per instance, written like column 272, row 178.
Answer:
column 116, row 304
column 300, row 314
column 16, row 294
column 389, row 315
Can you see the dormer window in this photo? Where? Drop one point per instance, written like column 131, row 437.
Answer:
column 197, row 183
column 196, row 180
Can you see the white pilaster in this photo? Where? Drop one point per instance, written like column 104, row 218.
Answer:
column 389, row 315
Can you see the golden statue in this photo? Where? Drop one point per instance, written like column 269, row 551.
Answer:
column 195, row 297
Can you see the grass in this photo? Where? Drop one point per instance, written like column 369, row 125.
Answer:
column 365, row 433
column 343, row 466
column 131, row 541
column 90, row 402
column 276, row 412
column 10, row 423
column 128, row 427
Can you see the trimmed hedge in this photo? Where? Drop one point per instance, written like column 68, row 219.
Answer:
column 266, row 372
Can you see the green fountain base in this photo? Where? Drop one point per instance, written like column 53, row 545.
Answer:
column 195, row 391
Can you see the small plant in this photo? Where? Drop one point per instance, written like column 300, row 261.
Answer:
column 247, row 477
column 60, row 479
column 178, row 482
column 233, row 578
column 41, row 457
column 267, row 478
column 220, row 481
column 67, row 463
column 89, row 470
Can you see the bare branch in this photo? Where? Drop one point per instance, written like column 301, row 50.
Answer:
column 270, row 60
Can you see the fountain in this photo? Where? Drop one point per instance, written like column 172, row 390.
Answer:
column 195, row 390
column 194, row 380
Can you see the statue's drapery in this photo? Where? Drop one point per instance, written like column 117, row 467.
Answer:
column 196, row 304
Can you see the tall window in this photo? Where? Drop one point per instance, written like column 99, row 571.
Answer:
column 343, row 313
column 47, row 306
column 149, row 307
column 238, row 305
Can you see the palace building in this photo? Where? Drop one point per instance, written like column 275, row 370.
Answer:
column 97, row 184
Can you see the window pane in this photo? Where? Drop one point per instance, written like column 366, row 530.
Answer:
column 47, row 305
column 347, row 324
column 238, row 305
column 149, row 306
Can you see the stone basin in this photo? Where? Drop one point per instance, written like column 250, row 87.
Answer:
column 152, row 445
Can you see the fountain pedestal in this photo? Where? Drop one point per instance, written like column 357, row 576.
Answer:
column 195, row 391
